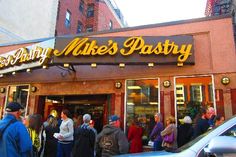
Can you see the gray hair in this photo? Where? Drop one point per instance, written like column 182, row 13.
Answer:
column 159, row 115
column 86, row 118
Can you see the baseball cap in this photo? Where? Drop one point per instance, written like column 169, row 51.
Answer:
column 13, row 107
column 187, row 120
column 113, row 118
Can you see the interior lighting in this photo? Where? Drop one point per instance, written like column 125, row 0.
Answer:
column 134, row 87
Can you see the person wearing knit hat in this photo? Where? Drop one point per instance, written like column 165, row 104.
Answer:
column 15, row 139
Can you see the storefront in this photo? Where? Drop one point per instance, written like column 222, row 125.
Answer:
column 172, row 68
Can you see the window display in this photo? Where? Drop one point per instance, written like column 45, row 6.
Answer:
column 142, row 102
column 191, row 94
column 18, row 93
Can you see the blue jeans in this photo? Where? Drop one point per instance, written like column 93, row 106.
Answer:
column 64, row 150
column 157, row 146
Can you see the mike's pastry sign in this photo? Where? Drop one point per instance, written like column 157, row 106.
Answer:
column 134, row 50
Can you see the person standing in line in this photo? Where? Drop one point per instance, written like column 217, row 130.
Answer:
column 135, row 134
column 91, row 124
column 155, row 135
column 84, row 139
column 212, row 115
column 112, row 140
column 202, row 124
column 51, row 142
column 185, row 131
column 15, row 140
column 218, row 120
column 65, row 137
column 170, row 130
column 34, row 126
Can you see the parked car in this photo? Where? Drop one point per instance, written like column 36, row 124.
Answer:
column 218, row 142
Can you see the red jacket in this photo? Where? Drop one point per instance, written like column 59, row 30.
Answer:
column 135, row 138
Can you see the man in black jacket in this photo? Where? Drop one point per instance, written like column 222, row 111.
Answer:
column 202, row 124
column 112, row 140
column 84, row 139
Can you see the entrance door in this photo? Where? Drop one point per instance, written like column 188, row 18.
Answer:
column 98, row 106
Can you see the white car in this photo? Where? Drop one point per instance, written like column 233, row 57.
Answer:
column 218, row 142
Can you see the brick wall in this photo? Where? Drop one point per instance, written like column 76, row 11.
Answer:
column 100, row 21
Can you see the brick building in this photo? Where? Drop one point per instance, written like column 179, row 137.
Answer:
column 80, row 16
column 29, row 20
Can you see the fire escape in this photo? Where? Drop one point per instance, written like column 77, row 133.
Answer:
column 222, row 7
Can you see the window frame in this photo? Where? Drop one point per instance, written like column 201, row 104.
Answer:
column 90, row 10
column 89, row 28
column 81, row 6
column 68, row 21
column 126, row 98
column 80, row 24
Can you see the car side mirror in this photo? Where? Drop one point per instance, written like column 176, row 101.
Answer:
column 221, row 145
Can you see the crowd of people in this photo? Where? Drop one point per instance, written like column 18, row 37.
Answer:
column 173, row 136
column 64, row 138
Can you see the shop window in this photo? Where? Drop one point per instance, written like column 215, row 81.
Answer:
column 68, row 19
column 18, row 93
column 81, row 6
column 90, row 10
column 191, row 94
column 142, row 102
column 79, row 27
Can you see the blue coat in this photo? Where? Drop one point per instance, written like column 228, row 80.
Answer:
column 15, row 141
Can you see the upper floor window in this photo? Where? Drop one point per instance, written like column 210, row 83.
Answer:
column 90, row 10
column 79, row 27
column 68, row 19
column 110, row 25
column 89, row 28
column 81, row 6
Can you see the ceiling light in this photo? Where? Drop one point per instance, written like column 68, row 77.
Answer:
column 153, row 103
column 130, row 103
column 134, row 87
